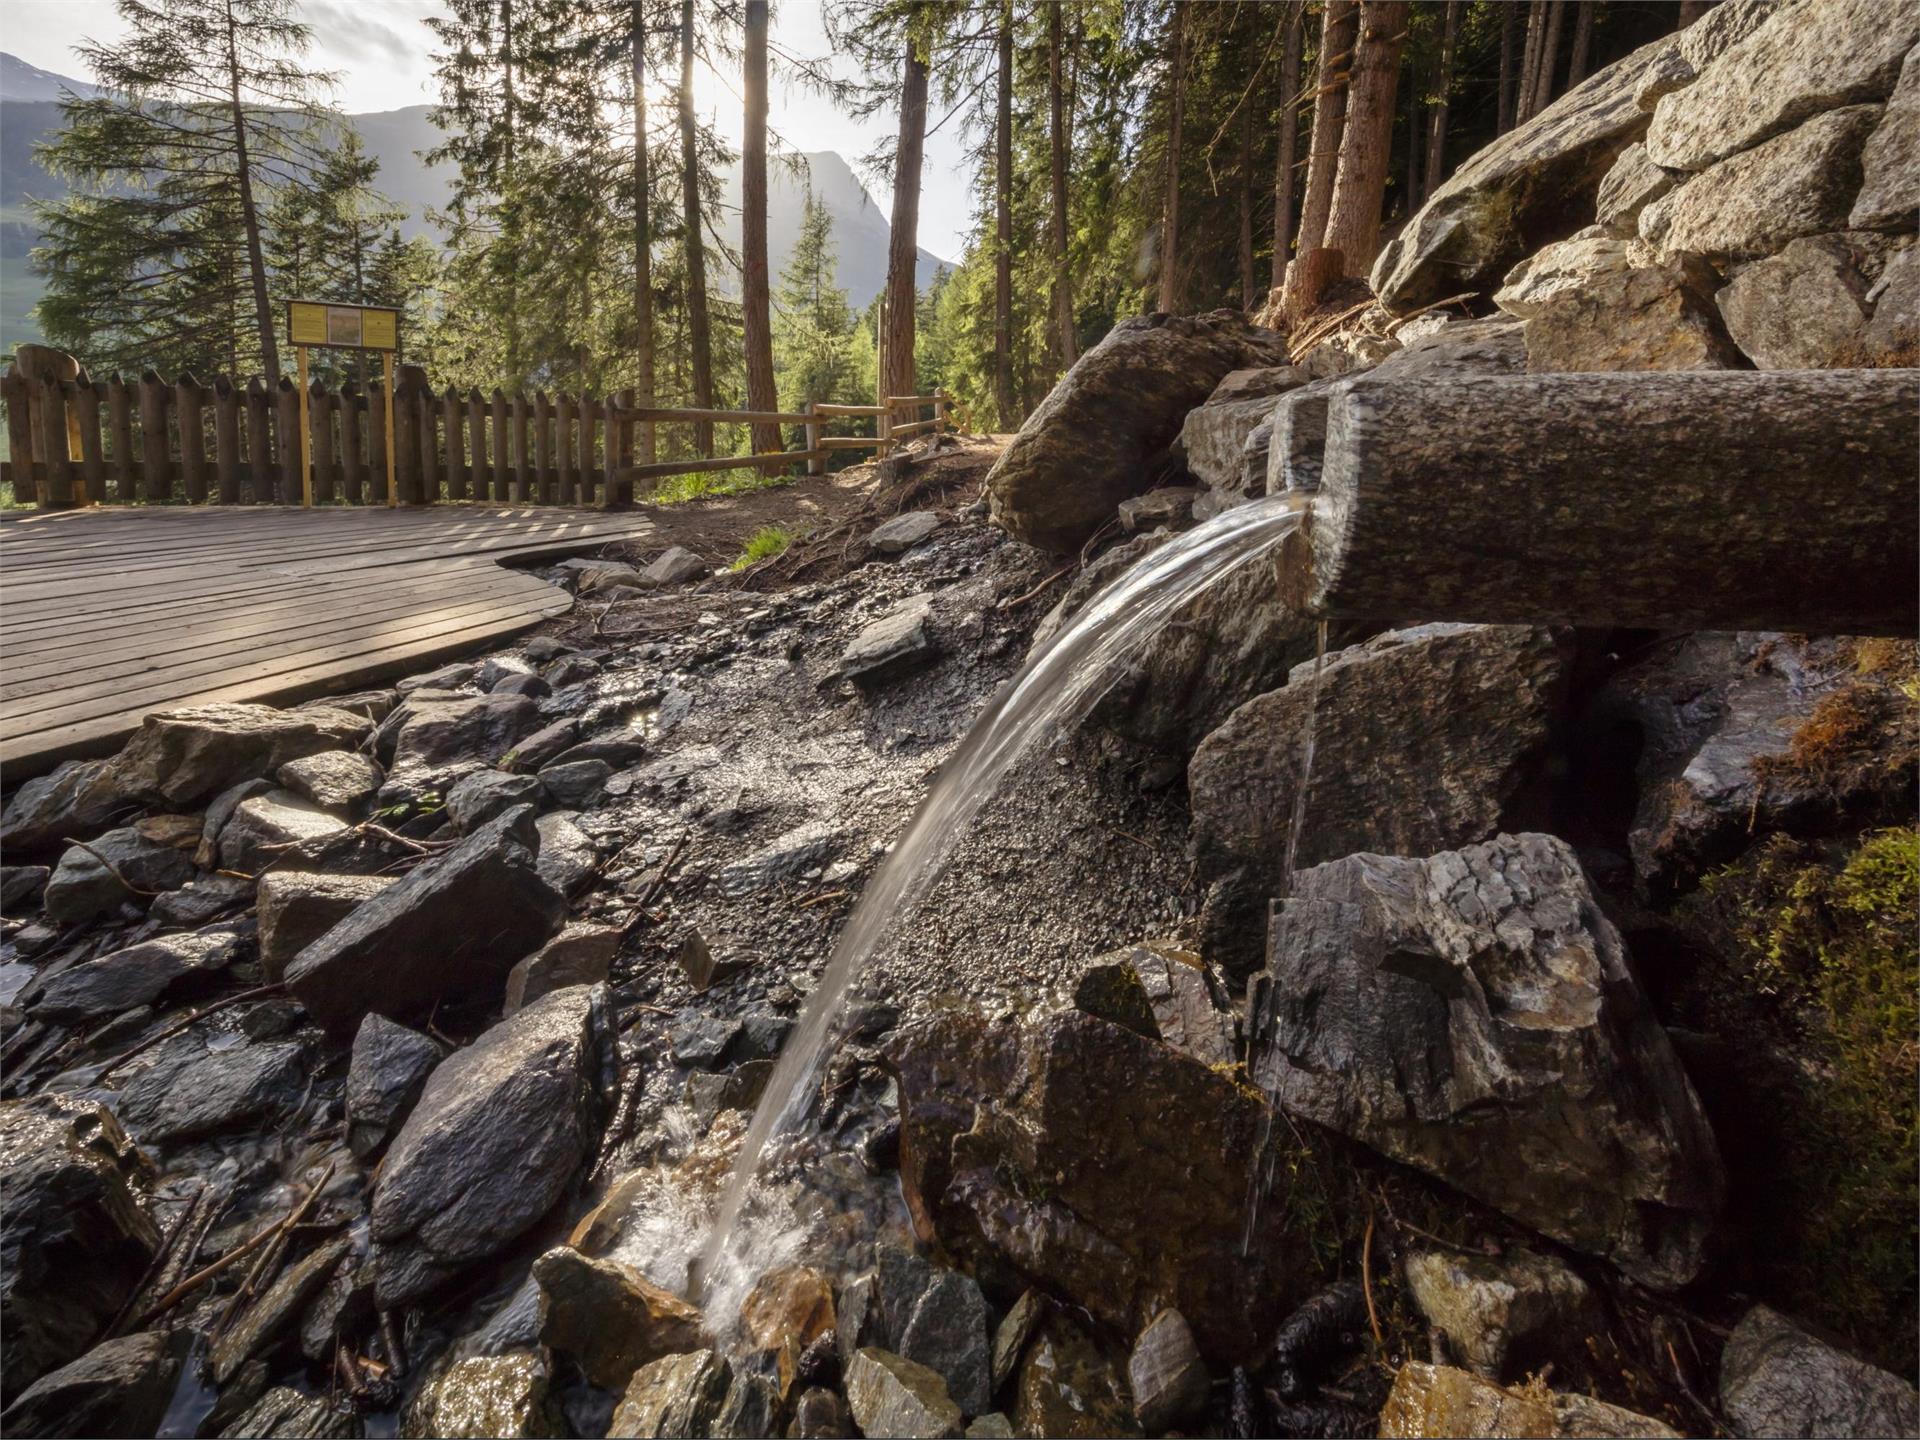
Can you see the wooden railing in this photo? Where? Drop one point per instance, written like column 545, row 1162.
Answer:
column 77, row 441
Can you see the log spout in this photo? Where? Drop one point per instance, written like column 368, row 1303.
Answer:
column 1714, row 500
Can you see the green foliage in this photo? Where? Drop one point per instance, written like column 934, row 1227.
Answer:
column 713, row 485
column 763, row 544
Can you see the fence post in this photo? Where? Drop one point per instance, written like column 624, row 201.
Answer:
column 502, row 440
column 86, row 410
column 407, row 474
column 226, row 440
column 542, row 449
column 620, row 448
column 353, row 471
column 940, row 423
column 193, row 437
column 286, row 443
column 428, row 436
column 816, row 457
column 476, row 486
column 50, row 424
column 156, row 464
column 320, row 409
column 260, row 441
column 563, row 444
column 522, row 471
column 376, row 428
column 452, row 448
column 883, row 423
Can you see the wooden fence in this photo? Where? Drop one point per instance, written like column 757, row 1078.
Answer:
column 76, row 441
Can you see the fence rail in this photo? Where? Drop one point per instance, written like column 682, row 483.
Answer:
column 76, row 441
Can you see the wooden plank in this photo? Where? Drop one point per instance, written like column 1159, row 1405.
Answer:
column 426, row 423
column 477, row 444
column 563, row 446
column 522, row 467
column 450, row 418
column 353, row 465
column 848, row 409
column 850, row 442
column 697, row 467
column 502, row 442
column 659, row 414
column 190, row 418
column 226, row 441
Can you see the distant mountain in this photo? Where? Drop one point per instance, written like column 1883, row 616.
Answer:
column 21, row 81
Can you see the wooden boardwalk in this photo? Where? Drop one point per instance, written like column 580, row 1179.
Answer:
column 107, row 614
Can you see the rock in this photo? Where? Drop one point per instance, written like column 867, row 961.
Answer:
column 504, row 1397
column 610, row 1318
column 497, row 669
column 453, row 926
column 184, row 757
column 1492, row 346
column 890, row 1395
column 1171, row 505
column 138, row 975
column 740, row 1089
column 1012, row 1137
column 785, row 858
column 1095, row 439
column 1533, row 185
column 619, row 747
column 903, row 531
column 1633, row 183
column 448, row 678
column 284, row 1413
column 581, row 954
column 567, row 857
column 1801, row 183
column 542, row 747
column 1669, row 72
column 1505, row 1316
column 589, row 576
column 120, row 1387
column 494, row 1141
column 892, row 645
column 1803, row 309
column 75, row 802
column 947, row 1331
column 1803, row 60
column 789, row 1304
column 577, row 784
column 1653, row 317
column 533, row 687
column 675, row 566
column 91, row 882
column 1190, row 1011
column 1894, row 335
column 219, row 812
column 1252, row 384
column 1472, row 1015
column 200, row 901
column 1010, row 1339
column 74, row 1238
column 389, row 1069
column 1066, row 1388
column 1723, row 26
column 1569, row 265
column 1890, row 163
column 751, row 1410
column 262, row 1322
column 297, row 907
column 1777, row 1380
column 342, row 780
column 819, row 1414
column 1439, row 1400
column 573, row 670
column 266, row 827
column 990, row 1427
column 1423, row 739
column 442, row 740
column 675, row 1398
column 190, row 1092
column 1213, row 441
column 487, row 794
column 1167, row 1376
column 1111, row 991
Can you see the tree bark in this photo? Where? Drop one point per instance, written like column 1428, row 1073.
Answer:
column 1442, row 104
column 903, row 244
column 1530, row 61
column 1169, row 296
column 1578, row 499
column 1285, row 162
column 1339, row 23
column 509, row 129
column 1003, row 225
column 1509, row 26
column 756, row 301
column 1582, row 43
column 1065, row 348
column 249, row 211
column 1366, row 148
column 642, row 230
column 1549, row 62
column 1249, row 296
column 699, row 336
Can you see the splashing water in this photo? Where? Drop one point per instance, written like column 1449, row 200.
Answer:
column 1057, row 686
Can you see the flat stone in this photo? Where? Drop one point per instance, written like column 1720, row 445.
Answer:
column 892, row 645
column 191, row 1092
column 442, row 738
column 576, row 784
column 542, row 747
column 567, row 856
column 610, row 1318
column 581, row 954
column 1166, row 1374
column 1649, row 317
column 1170, row 505
column 783, row 860
column 890, row 1395
column 201, row 901
column 488, row 794
column 675, row 566
column 503, row 1397
column 1509, row 1314
column 120, row 1387
column 1777, row 1380
column 947, row 1330
column 1803, row 309
column 138, row 975
column 590, row 576
column 1253, row 383
column 76, row 801
column 1571, row 264
column 675, row 1398
column 574, row 669
column 1890, row 163
column 903, row 531
column 1011, row 1336
column 284, row 1413
column 297, row 907
column 83, row 887
column 452, row 677
column 1633, row 183
column 389, row 1069
column 342, row 780
column 1187, row 1006
column 184, row 757
column 618, row 747
column 265, row 827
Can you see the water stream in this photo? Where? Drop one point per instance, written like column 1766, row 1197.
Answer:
column 1058, row 684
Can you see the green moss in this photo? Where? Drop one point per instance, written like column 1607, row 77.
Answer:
column 766, row 542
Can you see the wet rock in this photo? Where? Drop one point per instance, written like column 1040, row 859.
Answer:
column 533, row 687
column 789, row 1304
column 1187, row 1007
column 263, row 1322
column 1472, row 1015
column 20, row 887
column 610, row 1318
column 617, row 746
column 1011, row 1337
column 1439, row 1400
column 945, row 1328
column 443, row 740
column 388, row 1070
column 1316, row 1337
column 893, row 645
column 1804, row 59
column 504, row 1397
column 497, row 669
column 297, row 907
column 453, row 926
column 577, row 784
column 1166, row 1374
column 447, row 678
column 903, row 531
column 739, row 1089
column 703, row 968
column 1213, row 442
column 1111, row 990
column 1777, row 1380
column 573, row 670
column 1652, row 317
column 341, row 780
column 1506, row 1315
column 200, row 901
column 890, row 1395
column 700, row 1043
column 567, row 856
column 1067, row 1388
column 675, row 566
column 1170, row 505
column 183, row 757
column 1803, row 309
column 1095, row 439
column 487, row 794
column 219, row 811
column 581, row 954
column 74, row 1238
column 1890, row 163
column 1633, row 183
column 751, row 1410
column 266, row 829
column 675, row 1398
column 76, row 801
column 819, row 1414
column 120, row 1387
column 138, row 975
column 284, row 1413
column 786, row 858
column 99, row 880
column 1802, row 183
column 494, row 1141
column 1423, row 739
column 994, row 1426
column 542, row 747
column 190, row 1092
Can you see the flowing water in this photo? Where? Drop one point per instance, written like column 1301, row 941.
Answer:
column 1056, row 686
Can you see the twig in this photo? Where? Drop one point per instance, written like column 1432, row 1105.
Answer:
column 1366, row 1282
column 257, row 993
column 640, row 911
column 820, row 899
column 111, row 868
column 1020, row 600
column 1299, row 346
column 1399, row 321
column 268, row 1264
column 161, row 1256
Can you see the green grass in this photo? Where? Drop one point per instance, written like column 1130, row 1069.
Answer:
column 678, row 489
column 767, row 541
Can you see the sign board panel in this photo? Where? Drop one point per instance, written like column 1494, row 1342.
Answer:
column 343, row 327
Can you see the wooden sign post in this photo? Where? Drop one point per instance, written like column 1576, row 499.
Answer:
column 328, row 326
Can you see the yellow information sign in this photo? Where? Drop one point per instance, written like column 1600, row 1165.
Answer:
column 343, row 327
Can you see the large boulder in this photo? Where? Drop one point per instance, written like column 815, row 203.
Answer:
column 442, row 736
column 1777, row 1380
column 1224, row 442
column 453, row 927
column 1646, row 317
column 186, row 757
column 1890, row 164
column 75, row 802
column 493, row 1142
column 676, row 1398
column 1633, row 183
column 1505, row 1315
column 1805, row 308
column 74, row 1238
column 1472, row 1015
column 1568, row 265
column 1095, row 439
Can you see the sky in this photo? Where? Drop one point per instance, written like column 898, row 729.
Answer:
column 382, row 50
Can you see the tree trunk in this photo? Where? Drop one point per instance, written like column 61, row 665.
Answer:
column 1284, row 163
column 1169, row 296
column 1582, row 43
column 642, row 230
column 1003, row 226
column 1353, row 224
column 1509, row 26
column 1064, row 346
column 699, row 337
column 1442, row 104
column 1249, row 297
column 1339, row 22
column 1530, row 61
column 1690, row 11
column 1549, row 57
column 509, row 127
column 902, row 245
column 249, row 211
column 1466, row 515
column 756, row 303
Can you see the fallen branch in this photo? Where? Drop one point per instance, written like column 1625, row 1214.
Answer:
column 1366, row 1282
column 1019, row 600
column 200, row 1277
column 111, row 868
